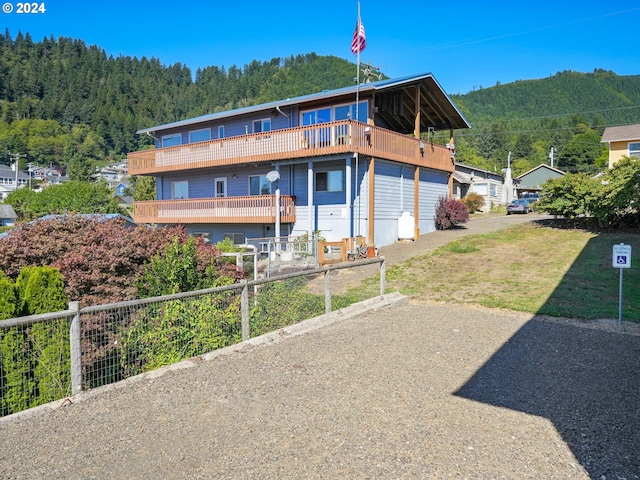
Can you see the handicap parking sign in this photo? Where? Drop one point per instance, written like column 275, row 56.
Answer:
column 621, row 257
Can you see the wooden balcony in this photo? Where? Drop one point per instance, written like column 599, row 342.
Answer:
column 331, row 138
column 252, row 209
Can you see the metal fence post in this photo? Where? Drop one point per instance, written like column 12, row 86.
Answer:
column 244, row 309
column 75, row 349
column 327, row 291
column 383, row 279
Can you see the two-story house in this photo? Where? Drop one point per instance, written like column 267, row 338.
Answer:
column 345, row 162
column 10, row 180
column 623, row 141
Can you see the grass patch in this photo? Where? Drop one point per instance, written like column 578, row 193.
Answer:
column 529, row 268
column 460, row 246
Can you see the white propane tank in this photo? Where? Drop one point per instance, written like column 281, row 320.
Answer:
column 406, row 227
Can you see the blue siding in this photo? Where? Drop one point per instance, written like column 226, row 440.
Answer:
column 330, row 198
column 433, row 185
column 393, row 194
column 300, row 184
column 202, row 185
column 235, row 127
column 330, row 210
column 199, row 187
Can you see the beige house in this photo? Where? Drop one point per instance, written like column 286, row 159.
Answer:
column 623, row 141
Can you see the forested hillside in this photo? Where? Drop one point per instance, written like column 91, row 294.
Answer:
column 60, row 98
column 66, row 103
column 567, row 111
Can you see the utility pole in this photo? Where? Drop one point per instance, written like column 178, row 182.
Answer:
column 371, row 72
column 16, row 159
column 551, row 157
column 508, row 180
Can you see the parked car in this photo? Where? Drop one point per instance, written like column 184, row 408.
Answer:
column 518, row 206
column 532, row 198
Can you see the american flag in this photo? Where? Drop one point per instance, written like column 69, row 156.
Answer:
column 359, row 41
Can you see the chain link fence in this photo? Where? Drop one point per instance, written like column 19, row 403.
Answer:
column 52, row 356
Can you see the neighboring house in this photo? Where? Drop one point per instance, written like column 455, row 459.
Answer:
column 48, row 176
column 120, row 168
column 343, row 162
column 8, row 215
column 121, row 187
column 533, row 180
column 468, row 179
column 8, row 180
column 125, row 201
column 623, row 141
column 108, row 175
column 114, row 176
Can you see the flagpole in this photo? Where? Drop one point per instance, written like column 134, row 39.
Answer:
column 358, row 67
column 358, row 26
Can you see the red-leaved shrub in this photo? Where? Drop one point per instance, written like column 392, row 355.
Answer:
column 450, row 213
column 99, row 259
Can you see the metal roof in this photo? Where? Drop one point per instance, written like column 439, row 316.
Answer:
column 436, row 95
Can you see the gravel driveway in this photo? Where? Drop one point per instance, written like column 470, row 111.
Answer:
column 401, row 391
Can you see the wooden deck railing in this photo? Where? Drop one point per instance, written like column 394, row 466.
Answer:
column 251, row 209
column 331, row 138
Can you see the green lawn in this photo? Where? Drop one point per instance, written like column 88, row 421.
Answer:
column 530, row 268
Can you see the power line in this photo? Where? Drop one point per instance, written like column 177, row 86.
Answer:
column 541, row 130
column 559, row 115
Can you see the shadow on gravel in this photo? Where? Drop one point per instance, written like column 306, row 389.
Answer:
column 585, row 381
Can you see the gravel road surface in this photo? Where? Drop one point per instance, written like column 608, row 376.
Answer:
column 393, row 391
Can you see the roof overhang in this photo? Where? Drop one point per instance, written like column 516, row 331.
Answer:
column 396, row 101
column 462, row 178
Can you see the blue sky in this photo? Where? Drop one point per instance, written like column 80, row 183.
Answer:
column 465, row 45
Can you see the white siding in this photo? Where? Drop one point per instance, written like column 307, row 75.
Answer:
column 333, row 222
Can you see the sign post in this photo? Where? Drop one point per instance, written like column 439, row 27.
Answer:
column 621, row 259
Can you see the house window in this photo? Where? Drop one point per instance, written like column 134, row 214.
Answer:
column 259, row 185
column 262, row 126
column 200, row 135
column 329, row 181
column 314, row 117
column 205, row 236
column 180, row 190
column 221, row 131
column 345, row 112
column 480, row 188
column 221, row 187
column 171, row 140
column 237, row 238
column 634, row 149
column 339, row 112
column 493, row 190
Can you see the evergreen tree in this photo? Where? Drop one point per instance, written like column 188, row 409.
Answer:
column 42, row 291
